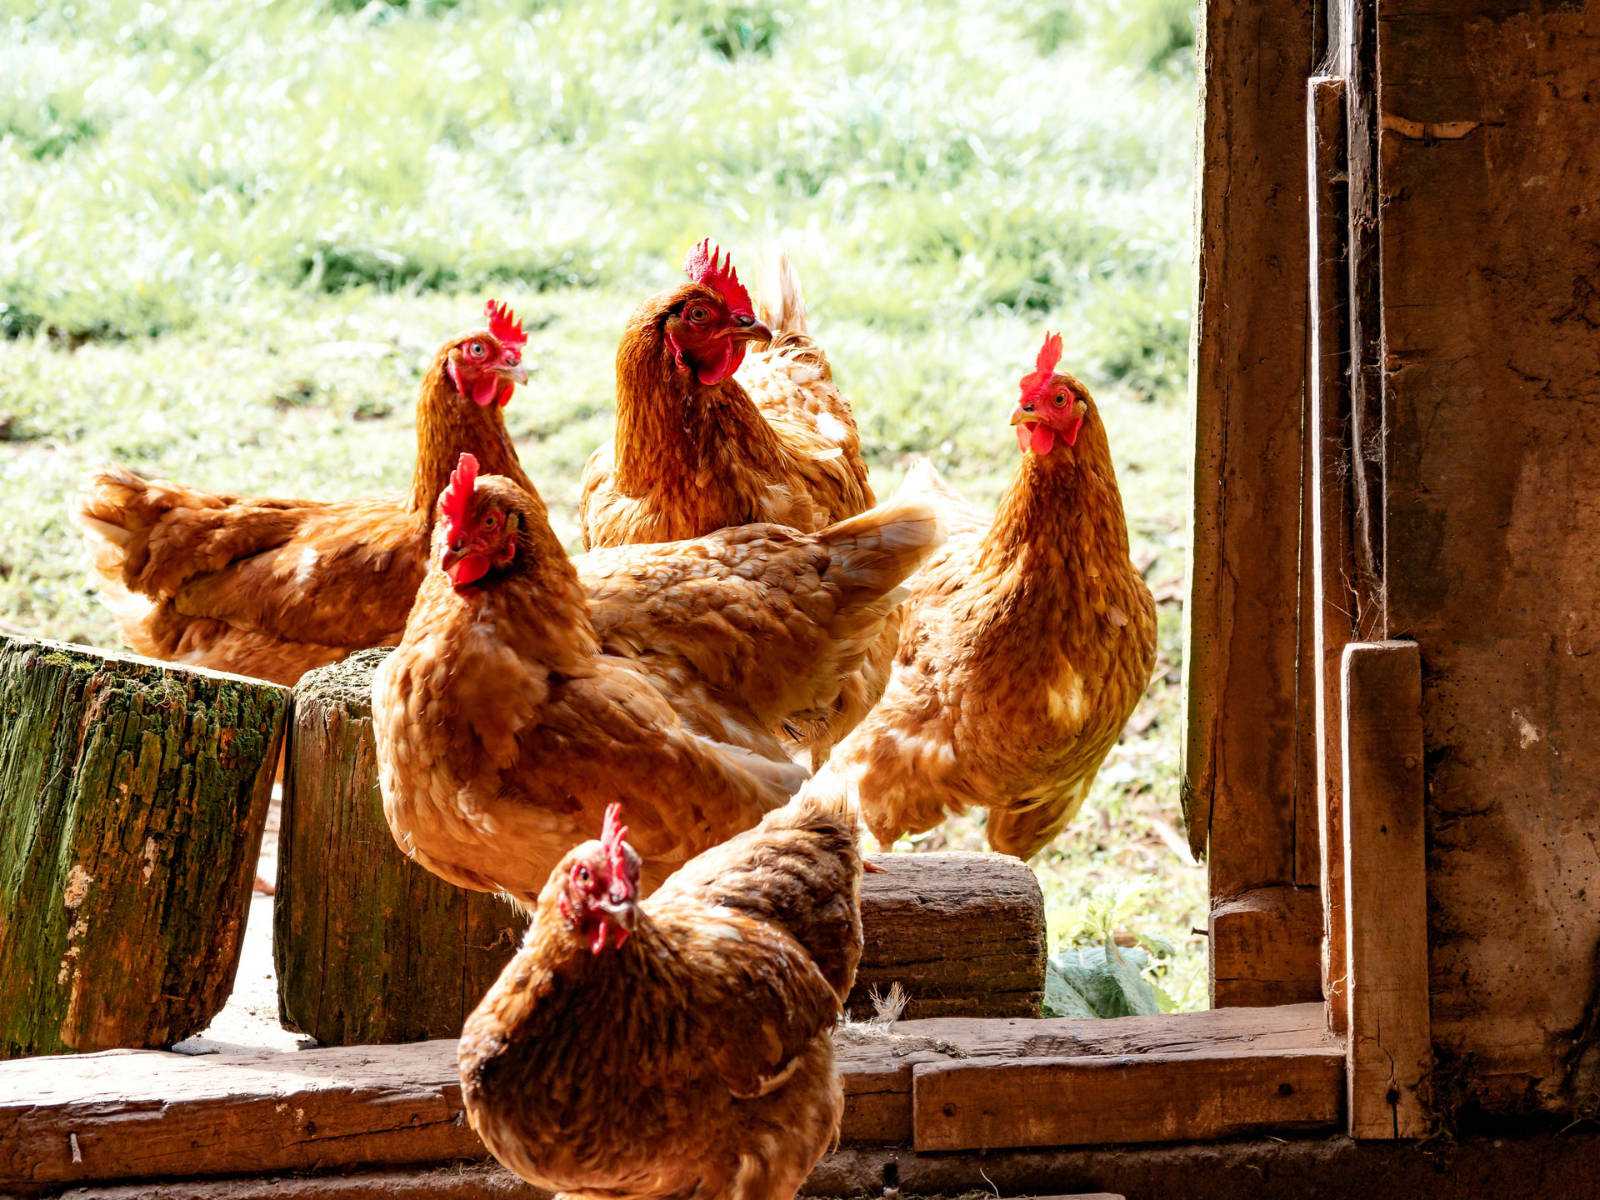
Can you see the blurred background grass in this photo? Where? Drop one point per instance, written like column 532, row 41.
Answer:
column 232, row 234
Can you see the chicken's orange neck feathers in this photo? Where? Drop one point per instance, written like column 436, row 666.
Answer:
column 676, row 438
column 1063, row 507
column 448, row 424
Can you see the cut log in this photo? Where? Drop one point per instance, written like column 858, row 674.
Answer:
column 132, row 799
column 152, row 1115
column 368, row 946
column 372, row 948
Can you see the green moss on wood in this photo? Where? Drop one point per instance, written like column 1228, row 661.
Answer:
column 132, row 799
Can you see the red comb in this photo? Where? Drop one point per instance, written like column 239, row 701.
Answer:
column 612, row 836
column 503, row 324
column 713, row 267
column 1043, row 367
column 458, row 493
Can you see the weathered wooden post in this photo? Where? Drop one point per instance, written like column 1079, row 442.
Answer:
column 369, row 946
column 132, row 800
column 372, row 948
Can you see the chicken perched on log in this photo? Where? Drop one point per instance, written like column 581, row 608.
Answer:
column 523, row 699
column 273, row 587
column 1026, row 648
column 680, row 1046
column 708, row 436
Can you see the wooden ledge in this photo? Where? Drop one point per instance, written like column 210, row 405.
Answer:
column 144, row 1114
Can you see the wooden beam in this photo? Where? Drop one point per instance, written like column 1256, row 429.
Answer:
column 124, row 1116
column 1025, row 1102
column 1268, row 939
column 1386, row 917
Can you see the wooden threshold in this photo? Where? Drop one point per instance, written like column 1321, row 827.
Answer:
column 137, row 1115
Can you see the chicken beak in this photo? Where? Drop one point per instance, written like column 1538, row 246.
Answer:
column 516, row 374
column 1022, row 415
column 748, row 329
column 623, row 914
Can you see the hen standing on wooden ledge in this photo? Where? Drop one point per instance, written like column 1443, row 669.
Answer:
column 1026, row 648
column 680, row 1046
column 274, row 588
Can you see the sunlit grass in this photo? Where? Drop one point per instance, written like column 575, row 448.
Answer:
column 232, row 234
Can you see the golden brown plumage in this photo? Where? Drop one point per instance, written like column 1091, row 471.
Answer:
column 776, row 442
column 694, row 1056
column 271, row 587
column 523, row 699
column 1026, row 648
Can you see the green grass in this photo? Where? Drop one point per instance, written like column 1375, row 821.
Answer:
column 232, row 235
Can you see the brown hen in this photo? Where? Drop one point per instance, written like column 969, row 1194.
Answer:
column 698, row 448
column 273, row 588
column 1026, row 648
column 680, row 1046
column 523, row 698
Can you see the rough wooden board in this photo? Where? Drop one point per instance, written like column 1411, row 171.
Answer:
column 1103, row 1101
column 1271, row 938
column 368, row 946
column 1386, row 924
column 1491, row 319
column 149, row 1114
column 1317, row 1168
column 132, row 798
column 1339, row 606
column 963, row 934
column 1241, row 619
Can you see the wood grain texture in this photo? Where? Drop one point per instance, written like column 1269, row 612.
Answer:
column 1385, row 861
column 1100, row 1101
column 133, row 795
column 150, row 1114
column 368, row 946
column 1269, row 939
column 1338, row 604
column 1241, row 633
column 1490, row 114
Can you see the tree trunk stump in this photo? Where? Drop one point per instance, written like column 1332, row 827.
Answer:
column 371, row 947
column 132, row 800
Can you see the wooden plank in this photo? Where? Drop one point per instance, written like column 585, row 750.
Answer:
column 1241, row 620
column 133, row 795
column 1491, row 323
column 1269, row 937
column 1026, row 1102
column 371, row 948
column 152, row 1114
column 1386, row 921
column 1339, row 606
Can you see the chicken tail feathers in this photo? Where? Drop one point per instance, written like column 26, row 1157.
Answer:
column 783, row 307
column 874, row 552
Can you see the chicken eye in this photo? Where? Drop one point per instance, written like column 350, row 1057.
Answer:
column 698, row 313
column 492, row 521
column 475, row 349
column 582, row 873
column 1061, row 398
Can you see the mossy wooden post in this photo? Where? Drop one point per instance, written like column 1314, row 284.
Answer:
column 369, row 946
column 132, row 799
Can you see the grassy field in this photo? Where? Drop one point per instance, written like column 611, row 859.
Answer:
column 232, row 235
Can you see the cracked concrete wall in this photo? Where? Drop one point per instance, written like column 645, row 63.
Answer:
column 1489, row 177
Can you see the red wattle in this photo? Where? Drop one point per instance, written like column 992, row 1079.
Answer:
column 484, row 390
column 726, row 365
column 468, row 569
column 1044, row 439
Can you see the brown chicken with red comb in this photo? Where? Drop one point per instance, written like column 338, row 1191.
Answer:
column 1027, row 645
column 678, row 1046
column 725, row 419
column 275, row 587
